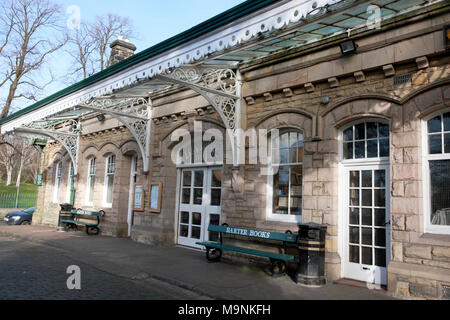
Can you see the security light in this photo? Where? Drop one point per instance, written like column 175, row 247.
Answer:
column 348, row 47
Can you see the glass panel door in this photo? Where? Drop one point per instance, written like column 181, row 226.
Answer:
column 200, row 203
column 366, row 214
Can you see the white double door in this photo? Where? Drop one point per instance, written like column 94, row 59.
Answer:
column 200, row 203
column 366, row 223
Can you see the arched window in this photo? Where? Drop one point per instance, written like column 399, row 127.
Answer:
column 109, row 179
column 437, row 172
column 368, row 139
column 285, row 185
column 91, row 181
column 57, row 184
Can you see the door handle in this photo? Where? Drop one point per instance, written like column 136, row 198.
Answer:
column 387, row 222
column 366, row 268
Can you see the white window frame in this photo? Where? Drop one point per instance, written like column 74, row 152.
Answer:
column 69, row 183
column 426, row 157
column 358, row 161
column 106, row 179
column 88, row 183
column 270, row 216
column 57, row 184
column 358, row 164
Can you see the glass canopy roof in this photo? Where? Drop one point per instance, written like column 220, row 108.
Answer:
column 322, row 23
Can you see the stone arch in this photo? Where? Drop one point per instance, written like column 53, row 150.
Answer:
column 356, row 108
column 178, row 125
column 440, row 90
column 57, row 156
column 289, row 118
column 211, row 121
column 368, row 96
column 426, row 100
column 108, row 145
column 90, row 146
column 129, row 147
column 90, row 151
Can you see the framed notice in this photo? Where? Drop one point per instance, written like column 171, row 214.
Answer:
column 155, row 196
column 138, row 197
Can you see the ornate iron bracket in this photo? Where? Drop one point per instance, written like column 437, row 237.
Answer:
column 220, row 87
column 134, row 113
column 70, row 140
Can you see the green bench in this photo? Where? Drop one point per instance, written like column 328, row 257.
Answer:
column 89, row 219
column 278, row 260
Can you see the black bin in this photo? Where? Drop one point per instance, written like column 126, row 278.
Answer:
column 64, row 213
column 311, row 251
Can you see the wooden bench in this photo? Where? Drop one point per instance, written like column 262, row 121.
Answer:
column 277, row 260
column 89, row 219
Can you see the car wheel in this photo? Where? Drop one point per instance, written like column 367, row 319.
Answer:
column 26, row 223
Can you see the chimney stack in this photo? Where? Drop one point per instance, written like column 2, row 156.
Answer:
column 120, row 50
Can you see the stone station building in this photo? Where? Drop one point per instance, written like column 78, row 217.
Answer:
column 364, row 135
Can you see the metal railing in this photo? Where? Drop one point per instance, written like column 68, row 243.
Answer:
column 25, row 200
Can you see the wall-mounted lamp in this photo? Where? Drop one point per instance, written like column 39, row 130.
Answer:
column 101, row 117
column 348, row 47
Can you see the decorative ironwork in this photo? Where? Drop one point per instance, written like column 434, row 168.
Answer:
column 218, row 86
column 134, row 113
column 72, row 125
column 223, row 80
column 70, row 140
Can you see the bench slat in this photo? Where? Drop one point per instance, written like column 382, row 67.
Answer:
column 86, row 213
column 277, row 256
column 79, row 222
column 254, row 233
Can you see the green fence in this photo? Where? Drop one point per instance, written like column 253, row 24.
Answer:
column 26, row 200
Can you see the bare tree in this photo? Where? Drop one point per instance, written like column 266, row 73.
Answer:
column 35, row 26
column 105, row 30
column 17, row 155
column 6, row 28
column 82, row 48
column 8, row 157
column 27, row 156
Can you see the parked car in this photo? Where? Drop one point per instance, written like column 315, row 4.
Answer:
column 19, row 217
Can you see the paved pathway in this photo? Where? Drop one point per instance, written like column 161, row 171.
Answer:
column 108, row 266
column 34, row 271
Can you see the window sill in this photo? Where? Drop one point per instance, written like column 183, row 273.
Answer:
column 285, row 219
column 431, row 239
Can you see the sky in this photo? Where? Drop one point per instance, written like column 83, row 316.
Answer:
column 153, row 21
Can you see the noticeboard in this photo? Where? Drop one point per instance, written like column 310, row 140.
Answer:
column 138, row 197
column 155, row 197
